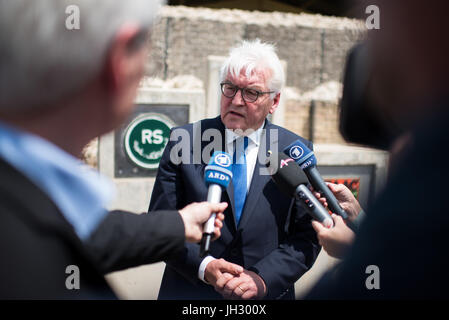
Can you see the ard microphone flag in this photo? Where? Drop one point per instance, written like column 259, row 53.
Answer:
column 290, row 179
column 217, row 177
column 306, row 159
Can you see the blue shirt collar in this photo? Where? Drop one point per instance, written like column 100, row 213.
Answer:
column 80, row 193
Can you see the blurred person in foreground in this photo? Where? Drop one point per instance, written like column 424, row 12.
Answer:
column 337, row 240
column 405, row 231
column 59, row 89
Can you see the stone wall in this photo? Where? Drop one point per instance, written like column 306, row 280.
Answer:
column 314, row 114
column 313, row 46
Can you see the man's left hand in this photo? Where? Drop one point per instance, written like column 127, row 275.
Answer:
column 248, row 285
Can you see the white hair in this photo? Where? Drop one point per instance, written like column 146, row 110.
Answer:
column 42, row 61
column 254, row 55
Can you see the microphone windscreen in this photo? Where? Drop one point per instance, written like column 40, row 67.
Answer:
column 299, row 152
column 286, row 173
column 219, row 170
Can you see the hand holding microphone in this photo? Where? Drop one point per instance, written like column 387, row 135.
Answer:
column 307, row 161
column 289, row 177
column 344, row 197
column 333, row 234
column 337, row 240
column 217, row 176
column 195, row 214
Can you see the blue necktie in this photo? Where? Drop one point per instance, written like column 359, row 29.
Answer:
column 239, row 176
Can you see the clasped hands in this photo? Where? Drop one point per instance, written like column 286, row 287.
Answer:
column 233, row 281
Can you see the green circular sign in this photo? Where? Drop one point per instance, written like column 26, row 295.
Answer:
column 146, row 138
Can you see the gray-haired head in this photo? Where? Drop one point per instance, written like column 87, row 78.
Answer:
column 252, row 55
column 42, row 60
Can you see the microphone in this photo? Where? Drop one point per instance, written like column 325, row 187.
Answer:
column 217, row 176
column 289, row 177
column 307, row 161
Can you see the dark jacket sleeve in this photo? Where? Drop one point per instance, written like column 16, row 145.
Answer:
column 125, row 239
column 294, row 257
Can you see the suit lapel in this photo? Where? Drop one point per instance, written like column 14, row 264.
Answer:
column 228, row 193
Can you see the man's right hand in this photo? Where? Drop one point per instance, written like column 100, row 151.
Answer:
column 218, row 272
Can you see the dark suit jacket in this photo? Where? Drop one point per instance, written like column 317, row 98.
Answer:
column 37, row 244
column 274, row 237
column 405, row 233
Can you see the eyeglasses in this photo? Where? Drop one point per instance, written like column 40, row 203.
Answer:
column 249, row 95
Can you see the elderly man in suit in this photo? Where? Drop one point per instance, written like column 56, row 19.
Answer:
column 267, row 241
column 60, row 88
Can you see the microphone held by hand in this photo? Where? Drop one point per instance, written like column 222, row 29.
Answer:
column 217, row 176
column 289, row 177
column 307, row 161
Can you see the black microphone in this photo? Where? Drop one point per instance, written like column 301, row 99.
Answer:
column 307, row 161
column 289, row 177
column 217, row 176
